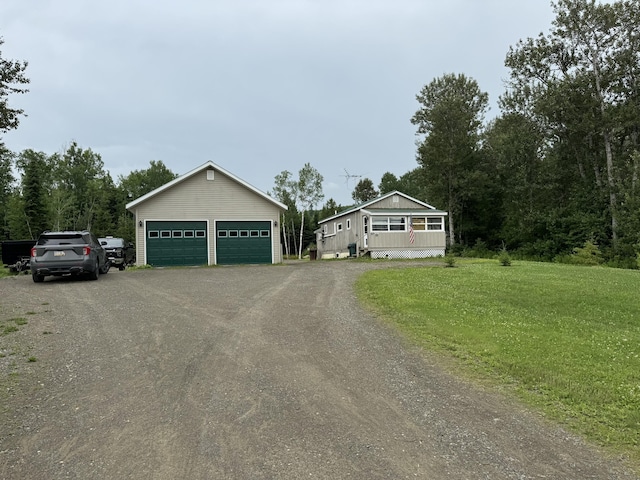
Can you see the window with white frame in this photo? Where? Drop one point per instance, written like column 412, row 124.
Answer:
column 348, row 224
column 388, row 224
column 419, row 223
column 435, row 223
column 397, row 224
column 339, row 227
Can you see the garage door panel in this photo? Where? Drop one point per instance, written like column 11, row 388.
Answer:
column 176, row 243
column 243, row 242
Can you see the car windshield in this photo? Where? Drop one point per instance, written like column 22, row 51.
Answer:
column 62, row 239
column 112, row 242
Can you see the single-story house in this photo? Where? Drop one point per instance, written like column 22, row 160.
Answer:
column 207, row 216
column 394, row 225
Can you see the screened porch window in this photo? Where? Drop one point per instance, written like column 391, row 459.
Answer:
column 419, row 223
column 435, row 223
column 388, row 224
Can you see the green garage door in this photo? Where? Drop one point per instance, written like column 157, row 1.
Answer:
column 243, row 242
column 176, row 243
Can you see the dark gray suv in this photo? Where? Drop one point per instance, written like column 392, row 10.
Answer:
column 68, row 253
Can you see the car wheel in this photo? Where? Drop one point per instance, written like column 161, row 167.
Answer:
column 96, row 272
column 105, row 268
column 37, row 278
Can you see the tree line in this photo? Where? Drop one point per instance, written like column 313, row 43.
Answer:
column 70, row 190
column 559, row 168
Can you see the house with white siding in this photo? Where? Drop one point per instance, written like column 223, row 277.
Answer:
column 394, row 225
column 207, row 216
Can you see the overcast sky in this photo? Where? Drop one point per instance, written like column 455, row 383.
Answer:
column 256, row 86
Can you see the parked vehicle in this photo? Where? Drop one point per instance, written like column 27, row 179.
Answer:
column 16, row 254
column 119, row 252
column 68, row 253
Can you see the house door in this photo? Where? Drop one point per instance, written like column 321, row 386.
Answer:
column 365, row 229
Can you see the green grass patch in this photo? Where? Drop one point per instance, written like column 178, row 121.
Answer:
column 140, row 267
column 11, row 325
column 565, row 338
column 7, row 329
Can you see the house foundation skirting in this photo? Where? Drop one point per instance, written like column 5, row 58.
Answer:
column 395, row 254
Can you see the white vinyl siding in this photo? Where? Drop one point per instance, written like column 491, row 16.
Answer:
column 196, row 198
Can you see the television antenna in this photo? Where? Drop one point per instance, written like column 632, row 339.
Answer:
column 348, row 176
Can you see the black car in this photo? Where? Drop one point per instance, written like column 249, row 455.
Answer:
column 119, row 252
column 68, row 253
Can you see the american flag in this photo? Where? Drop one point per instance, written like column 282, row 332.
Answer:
column 412, row 236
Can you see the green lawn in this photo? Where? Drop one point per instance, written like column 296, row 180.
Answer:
column 565, row 338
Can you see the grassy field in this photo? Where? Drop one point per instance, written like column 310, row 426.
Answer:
column 566, row 339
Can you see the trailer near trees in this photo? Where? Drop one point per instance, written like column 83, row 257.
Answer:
column 16, row 254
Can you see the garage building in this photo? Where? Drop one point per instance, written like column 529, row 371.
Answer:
column 207, row 216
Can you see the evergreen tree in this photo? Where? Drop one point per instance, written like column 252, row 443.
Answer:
column 34, row 192
column 449, row 122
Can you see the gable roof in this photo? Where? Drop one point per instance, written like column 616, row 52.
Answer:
column 363, row 206
column 205, row 166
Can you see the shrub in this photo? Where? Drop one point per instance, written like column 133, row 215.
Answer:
column 479, row 250
column 504, row 258
column 449, row 260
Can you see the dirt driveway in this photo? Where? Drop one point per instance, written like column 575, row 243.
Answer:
column 269, row 372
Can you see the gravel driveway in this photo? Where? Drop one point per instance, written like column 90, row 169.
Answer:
column 251, row 372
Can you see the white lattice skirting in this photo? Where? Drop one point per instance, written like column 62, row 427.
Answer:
column 395, row 254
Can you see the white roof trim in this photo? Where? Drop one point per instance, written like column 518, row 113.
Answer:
column 364, row 205
column 387, row 213
column 201, row 168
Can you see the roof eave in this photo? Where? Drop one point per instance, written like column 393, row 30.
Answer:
column 363, row 206
column 205, row 166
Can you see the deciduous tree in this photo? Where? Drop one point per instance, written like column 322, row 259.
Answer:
column 580, row 81
column 309, row 189
column 364, row 191
column 140, row 182
column 12, row 81
column 388, row 183
column 285, row 191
